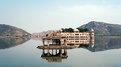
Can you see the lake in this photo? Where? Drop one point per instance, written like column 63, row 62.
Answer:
column 106, row 52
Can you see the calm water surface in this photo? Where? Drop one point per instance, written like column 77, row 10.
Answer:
column 24, row 53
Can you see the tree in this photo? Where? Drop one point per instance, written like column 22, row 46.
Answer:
column 67, row 30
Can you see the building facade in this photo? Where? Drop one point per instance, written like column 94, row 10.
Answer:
column 77, row 37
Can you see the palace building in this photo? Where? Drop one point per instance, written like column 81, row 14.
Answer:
column 75, row 37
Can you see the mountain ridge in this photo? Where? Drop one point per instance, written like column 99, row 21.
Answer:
column 8, row 30
column 102, row 28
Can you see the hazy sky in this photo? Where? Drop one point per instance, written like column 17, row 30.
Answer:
column 39, row 15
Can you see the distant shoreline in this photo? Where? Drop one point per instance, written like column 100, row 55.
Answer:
column 99, row 36
column 108, row 36
column 12, row 36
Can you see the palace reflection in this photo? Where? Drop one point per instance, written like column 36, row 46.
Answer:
column 55, row 50
column 54, row 55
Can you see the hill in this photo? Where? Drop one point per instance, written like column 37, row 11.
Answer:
column 7, row 30
column 101, row 28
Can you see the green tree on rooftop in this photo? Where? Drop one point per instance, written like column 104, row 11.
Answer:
column 67, row 29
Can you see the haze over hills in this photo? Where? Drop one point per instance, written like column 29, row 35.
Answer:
column 7, row 30
column 101, row 28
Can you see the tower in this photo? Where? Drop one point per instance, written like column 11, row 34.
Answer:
column 92, row 37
